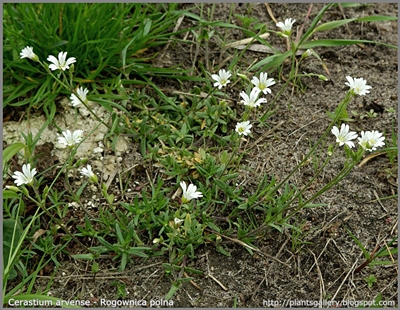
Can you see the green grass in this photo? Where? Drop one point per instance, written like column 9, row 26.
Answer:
column 107, row 39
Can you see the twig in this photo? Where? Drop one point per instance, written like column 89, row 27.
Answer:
column 219, row 283
column 379, row 201
column 300, row 32
column 344, row 17
column 394, row 226
column 302, row 127
column 270, row 13
column 192, row 282
column 341, row 284
column 246, row 41
column 391, row 256
column 322, row 285
column 370, row 259
column 369, row 157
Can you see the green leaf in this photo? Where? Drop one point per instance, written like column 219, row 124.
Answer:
column 222, row 250
column 10, row 151
column 339, row 42
column 171, row 291
column 138, row 251
column 382, row 262
column 333, row 24
column 272, row 61
column 7, row 194
column 314, row 205
column 213, row 226
column 119, row 234
column 337, row 23
column 365, row 252
column 314, row 23
column 376, row 18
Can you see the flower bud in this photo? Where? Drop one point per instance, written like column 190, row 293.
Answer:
column 13, row 188
column 243, row 76
column 24, row 190
column 282, row 35
column 323, row 77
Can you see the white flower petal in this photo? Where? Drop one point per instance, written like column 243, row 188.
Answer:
column 26, row 176
column 189, row 193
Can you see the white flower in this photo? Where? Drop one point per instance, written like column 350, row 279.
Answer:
column 263, row 83
column 243, row 128
column 89, row 173
column 344, row 136
column 251, row 100
column 70, row 139
column 177, row 221
column 61, row 63
column 27, row 52
column 81, row 94
column 287, row 26
column 189, row 193
column 370, row 140
column 26, row 176
column 358, row 86
column 307, row 53
column 221, row 78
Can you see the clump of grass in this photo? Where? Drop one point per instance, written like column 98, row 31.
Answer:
column 110, row 39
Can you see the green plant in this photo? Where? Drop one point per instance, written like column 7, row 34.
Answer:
column 371, row 280
column 371, row 259
column 247, row 20
column 305, row 42
column 103, row 50
column 16, row 256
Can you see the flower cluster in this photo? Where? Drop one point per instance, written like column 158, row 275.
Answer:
column 27, row 52
column 344, row 136
column 263, row 83
column 60, row 63
column 243, row 128
column 252, row 100
column 369, row 140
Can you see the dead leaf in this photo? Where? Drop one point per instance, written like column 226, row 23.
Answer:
column 37, row 234
column 246, row 41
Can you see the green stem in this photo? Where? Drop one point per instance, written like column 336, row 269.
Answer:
column 308, row 184
column 343, row 173
column 71, row 89
column 342, row 105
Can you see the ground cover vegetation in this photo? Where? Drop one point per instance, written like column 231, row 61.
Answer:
column 188, row 190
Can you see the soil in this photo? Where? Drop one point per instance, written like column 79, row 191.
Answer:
column 320, row 266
